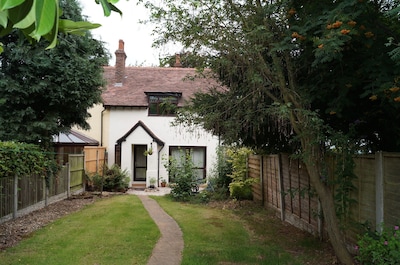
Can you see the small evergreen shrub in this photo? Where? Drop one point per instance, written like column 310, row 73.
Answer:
column 376, row 248
column 114, row 179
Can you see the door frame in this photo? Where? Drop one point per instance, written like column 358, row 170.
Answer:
column 138, row 152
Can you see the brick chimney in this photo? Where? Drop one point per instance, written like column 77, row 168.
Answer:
column 120, row 57
column 177, row 60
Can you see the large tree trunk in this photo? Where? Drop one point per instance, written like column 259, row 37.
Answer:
column 312, row 160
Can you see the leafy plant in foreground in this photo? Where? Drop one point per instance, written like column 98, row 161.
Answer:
column 380, row 248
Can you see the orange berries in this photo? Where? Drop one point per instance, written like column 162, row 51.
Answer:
column 369, row 34
column 351, row 23
column 397, row 99
column 345, row 31
column 373, row 97
column 321, row 46
column 332, row 112
column 362, row 27
column 298, row 36
column 337, row 24
column 394, row 89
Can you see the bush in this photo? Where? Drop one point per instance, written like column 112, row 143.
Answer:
column 183, row 175
column 379, row 248
column 241, row 186
column 241, row 190
column 114, row 179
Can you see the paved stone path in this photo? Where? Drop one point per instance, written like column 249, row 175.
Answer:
column 168, row 250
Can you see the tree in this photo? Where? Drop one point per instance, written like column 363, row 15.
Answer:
column 299, row 73
column 44, row 92
column 40, row 18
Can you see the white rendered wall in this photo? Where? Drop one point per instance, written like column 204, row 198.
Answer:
column 122, row 120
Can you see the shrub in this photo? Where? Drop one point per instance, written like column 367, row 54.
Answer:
column 379, row 248
column 241, row 186
column 183, row 175
column 219, row 180
column 114, row 179
column 241, row 190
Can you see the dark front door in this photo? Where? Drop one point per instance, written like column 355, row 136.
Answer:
column 139, row 163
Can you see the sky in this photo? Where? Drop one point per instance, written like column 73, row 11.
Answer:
column 137, row 37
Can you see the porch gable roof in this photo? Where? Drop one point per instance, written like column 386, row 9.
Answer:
column 147, row 130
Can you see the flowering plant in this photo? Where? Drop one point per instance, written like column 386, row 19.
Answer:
column 381, row 248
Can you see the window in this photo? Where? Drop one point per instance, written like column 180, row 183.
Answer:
column 198, row 156
column 163, row 103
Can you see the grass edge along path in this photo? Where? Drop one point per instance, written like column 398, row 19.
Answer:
column 216, row 236
column 115, row 230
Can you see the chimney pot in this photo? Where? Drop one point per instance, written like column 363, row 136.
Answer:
column 178, row 60
column 120, row 57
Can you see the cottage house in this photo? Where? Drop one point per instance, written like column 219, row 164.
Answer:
column 134, row 121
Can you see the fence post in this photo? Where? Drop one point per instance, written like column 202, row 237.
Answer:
column 281, row 188
column 262, row 178
column 47, row 192
column 379, row 201
column 68, row 180
column 15, row 204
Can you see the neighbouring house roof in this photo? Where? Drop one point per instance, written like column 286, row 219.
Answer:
column 138, row 80
column 74, row 138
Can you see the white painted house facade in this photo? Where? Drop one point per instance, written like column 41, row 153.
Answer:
column 135, row 123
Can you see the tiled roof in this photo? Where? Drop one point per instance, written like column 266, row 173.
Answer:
column 138, row 80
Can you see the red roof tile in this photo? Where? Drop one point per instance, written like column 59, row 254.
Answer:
column 139, row 80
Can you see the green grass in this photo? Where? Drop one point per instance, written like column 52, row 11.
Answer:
column 215, row 236
column 119, row 231
column 111, row 231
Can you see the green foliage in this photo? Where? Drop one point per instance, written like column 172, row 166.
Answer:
column 375, row 248
column 22, row 159
column 114, row 179
column 44, row 92
column 220, row 175
column 38, row 19
column 182, row 175
column 343, row 181
column 241, row 186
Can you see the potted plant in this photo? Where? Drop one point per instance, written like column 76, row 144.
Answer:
column 163, row 182
column 148, row 152
column 152, row 182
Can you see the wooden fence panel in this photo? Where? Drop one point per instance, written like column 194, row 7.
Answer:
column 286, row 180
column 254, row 164
column 77, row 171
column 271, row 180
column 58, row 184
column 6, row 195
column 364, row 208
column 391, row 189
column 375, row 203
column 33, row 188
column 95, row 159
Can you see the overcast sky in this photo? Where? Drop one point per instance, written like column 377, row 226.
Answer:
column 137, row 37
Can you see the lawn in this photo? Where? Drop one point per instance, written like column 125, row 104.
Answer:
column 234, row 232
column 119, row 231
column 111, row 231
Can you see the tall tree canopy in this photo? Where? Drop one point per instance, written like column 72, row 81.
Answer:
column 43, row 92
column 295, row 70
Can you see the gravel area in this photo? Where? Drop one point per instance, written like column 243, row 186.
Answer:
column 12, row 231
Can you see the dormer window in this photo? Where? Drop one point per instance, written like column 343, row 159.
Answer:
column 163, row 103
